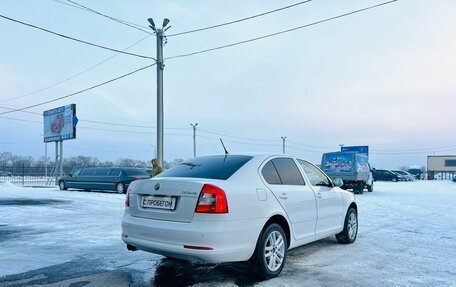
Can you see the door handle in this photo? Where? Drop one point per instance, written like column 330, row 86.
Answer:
column 318, row 195
column 283, row 195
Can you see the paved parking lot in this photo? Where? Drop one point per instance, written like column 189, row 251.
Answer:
column 69, row 238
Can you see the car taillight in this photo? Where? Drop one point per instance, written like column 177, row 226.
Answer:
column 212, row 199
column 137, row 178
column 127, row 200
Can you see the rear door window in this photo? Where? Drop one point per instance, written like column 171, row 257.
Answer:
column 288, row 171
column 270, row 174
column 211, row 167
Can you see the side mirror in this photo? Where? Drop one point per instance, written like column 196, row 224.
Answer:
column 338, row 182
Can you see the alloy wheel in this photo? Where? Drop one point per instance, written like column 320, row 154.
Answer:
column 120, row 188
column 352, row 226
column 274, row 251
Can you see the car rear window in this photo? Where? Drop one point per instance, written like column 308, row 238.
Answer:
column 211, row 167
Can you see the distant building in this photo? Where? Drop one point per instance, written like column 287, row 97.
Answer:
column 441, row 166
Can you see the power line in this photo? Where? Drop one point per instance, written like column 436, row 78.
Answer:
column 131, row 132
column 21, row 120
column 87, row 10
column 377, row 152
column 240, row 142
column 417, row 149
column 97, row 129
column 90, row 121
column 134, row 26
column 239, row 20
column 281, row 32
column 75, row 75
column 78, row 92
column 77, row 40
column 238, row 137
column 312, row 146
column 300, row 149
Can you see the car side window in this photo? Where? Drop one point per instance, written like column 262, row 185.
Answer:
column 87, row 171
column 101, row 171
column 288, row 171
column 114, row 172
column 270, row 174
column 316, row 176
column 77, row 172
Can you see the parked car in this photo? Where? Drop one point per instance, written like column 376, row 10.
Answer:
column 102, row 178
column 385, row 175
column 5, row 173
column 404, row 175
column 454, row 179
column 351, row 167
column 230, row 208
column 416, row 171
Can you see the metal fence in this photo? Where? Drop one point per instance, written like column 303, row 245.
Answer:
column 27, row 175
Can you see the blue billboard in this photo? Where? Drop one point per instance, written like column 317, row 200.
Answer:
column 364, row 149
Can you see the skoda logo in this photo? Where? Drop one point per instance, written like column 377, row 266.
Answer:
column 157, row 186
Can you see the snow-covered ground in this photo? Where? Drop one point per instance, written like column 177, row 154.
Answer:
column 48, row 237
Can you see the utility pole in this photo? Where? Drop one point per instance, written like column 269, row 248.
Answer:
column 341, row 146
column 194, row 138
column 283, row 144
column 159, row 33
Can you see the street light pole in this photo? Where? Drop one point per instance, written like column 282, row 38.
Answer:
column 160, row 67
column 283, row 144
column 194, row 138
column 160, row 33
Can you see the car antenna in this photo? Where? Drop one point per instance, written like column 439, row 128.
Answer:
column 226, row 152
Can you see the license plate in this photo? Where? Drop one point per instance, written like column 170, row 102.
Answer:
column 159, row 202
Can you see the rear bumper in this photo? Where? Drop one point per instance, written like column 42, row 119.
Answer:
column 230, row 241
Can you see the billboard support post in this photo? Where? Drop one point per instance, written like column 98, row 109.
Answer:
column 61, row 159
column 45, row 160
column 56, row 160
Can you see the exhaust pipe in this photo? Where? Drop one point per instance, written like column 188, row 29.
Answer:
column 131, row 247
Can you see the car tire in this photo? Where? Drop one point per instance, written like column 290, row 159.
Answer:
column 271, row 251
column 62, row 185
column 120, row 188
column 359, row 188
column 394, row 180
column 350, row 232
column 370, row 188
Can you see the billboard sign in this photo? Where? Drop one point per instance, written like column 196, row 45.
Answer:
column 358, row 149
column 60, row 123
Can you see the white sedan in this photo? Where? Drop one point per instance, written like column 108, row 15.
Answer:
column 229, row 208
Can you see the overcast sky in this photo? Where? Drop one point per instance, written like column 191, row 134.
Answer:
column 383, row 78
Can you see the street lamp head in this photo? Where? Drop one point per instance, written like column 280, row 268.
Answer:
column 165, row 22
column 152, row 24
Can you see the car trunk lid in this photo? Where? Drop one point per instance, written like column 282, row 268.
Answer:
column 172, row 199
